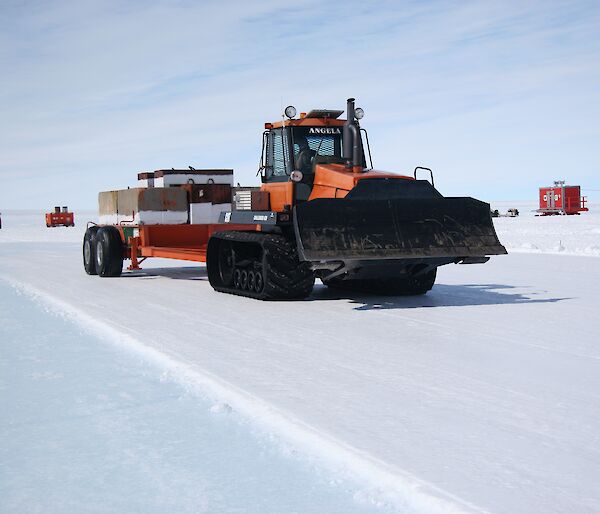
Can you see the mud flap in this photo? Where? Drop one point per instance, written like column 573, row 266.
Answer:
column 350, row 229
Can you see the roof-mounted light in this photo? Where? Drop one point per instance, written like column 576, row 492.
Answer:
column 290, row 111
column 359, row 113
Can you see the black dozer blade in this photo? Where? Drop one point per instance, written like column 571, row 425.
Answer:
column 384, row 219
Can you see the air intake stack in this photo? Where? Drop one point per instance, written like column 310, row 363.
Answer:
column 351, row 140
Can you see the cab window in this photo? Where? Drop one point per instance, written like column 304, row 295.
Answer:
column 276, row 158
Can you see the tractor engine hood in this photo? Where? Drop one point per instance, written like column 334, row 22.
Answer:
column 336, row 180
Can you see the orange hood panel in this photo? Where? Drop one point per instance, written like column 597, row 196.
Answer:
column 335, row 180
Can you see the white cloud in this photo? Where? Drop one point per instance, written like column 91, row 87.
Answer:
column 498, row 98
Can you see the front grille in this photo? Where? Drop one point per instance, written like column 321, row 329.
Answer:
column 242, row 200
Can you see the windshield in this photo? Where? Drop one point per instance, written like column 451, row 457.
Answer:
column 295, row 148
column 311, row 141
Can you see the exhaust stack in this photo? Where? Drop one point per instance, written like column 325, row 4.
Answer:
column 351, row 139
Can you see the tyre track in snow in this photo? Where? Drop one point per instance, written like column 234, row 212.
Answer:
column 446, row 322
column 473, row 383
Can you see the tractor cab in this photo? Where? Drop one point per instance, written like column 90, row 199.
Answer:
column 294, row 147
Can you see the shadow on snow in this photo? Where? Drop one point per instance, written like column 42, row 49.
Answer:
column 442, row 295
column 187, row 273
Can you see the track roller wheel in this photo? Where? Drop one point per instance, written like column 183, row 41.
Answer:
column 244, row 279
column 258, row 282
column 237, row 279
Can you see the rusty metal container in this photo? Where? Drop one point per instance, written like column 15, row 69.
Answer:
column 146, row 179
column 168, row 178
column 208, row 193
column 260, row 200
column 143, row 206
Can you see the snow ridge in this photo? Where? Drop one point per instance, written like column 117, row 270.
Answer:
column 385, row 485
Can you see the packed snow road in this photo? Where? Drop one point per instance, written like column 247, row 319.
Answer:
column 482, row 396
column 88, row 427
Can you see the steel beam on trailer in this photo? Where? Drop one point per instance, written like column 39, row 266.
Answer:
column 171, row 252
column 181, row 242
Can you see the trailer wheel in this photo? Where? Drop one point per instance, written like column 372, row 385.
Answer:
column 109, row 252
column 390, row 286
column 89, row 250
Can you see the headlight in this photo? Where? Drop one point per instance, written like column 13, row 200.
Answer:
column 290, row 111
column 296, row 176
column 359, row 113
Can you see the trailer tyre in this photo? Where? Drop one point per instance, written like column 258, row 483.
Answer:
column 89, row 250
column 109, row 252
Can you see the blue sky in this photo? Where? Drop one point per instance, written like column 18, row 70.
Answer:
column 497, row 97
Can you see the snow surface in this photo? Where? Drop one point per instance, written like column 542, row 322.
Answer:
column 92, row 428
column 528, row 233
column 482, row 396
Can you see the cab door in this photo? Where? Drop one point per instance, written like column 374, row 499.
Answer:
column 277, row 166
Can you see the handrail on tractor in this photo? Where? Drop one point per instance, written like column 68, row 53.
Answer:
column 426, row 169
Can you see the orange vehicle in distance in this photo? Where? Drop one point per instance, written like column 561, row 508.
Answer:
column 60, row 218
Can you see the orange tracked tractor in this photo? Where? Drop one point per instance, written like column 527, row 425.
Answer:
column 322, row 211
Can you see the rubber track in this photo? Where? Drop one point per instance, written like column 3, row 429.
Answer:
column 285, row 277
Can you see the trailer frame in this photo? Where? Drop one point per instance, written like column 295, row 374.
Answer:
column 181, row 242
